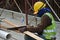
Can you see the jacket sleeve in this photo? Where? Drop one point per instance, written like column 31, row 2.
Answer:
column 45, row 21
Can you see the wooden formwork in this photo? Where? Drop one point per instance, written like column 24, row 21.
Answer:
column 26, row 32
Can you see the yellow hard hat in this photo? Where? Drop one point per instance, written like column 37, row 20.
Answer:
column 37, row 6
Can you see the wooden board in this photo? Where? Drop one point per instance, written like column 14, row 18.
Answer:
column 8, row 22
column 33, row 35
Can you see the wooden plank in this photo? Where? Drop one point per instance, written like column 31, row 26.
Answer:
column 26, row 32
column 8, row 22
column 33, row 35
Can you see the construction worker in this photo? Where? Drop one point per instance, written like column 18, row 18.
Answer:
column 47, row 28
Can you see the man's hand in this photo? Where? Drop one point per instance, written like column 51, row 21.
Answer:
column 22, row 29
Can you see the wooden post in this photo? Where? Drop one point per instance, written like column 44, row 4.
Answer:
column 26, row 13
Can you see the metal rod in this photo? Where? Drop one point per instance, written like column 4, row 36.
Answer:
column 56, row 3
column 29, row 4
column 18, row 6
column 52, row 10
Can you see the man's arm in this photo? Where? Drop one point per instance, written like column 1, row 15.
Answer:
column 45, row 21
